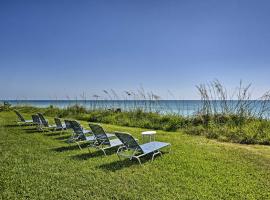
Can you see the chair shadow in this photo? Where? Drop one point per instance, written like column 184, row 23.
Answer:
column 64, row 137
column 88, row 155
column 119, row 164
column 34, row 130
column 94, row 153
column 70, row 147
column 125, row 162
column 53, row 134
column 18, row 125
column 11, row 125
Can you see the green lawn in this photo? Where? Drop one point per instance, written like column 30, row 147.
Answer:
column 38, row 165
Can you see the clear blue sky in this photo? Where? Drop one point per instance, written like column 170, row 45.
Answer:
column 51, row 49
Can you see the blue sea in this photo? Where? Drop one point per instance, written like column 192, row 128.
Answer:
column 180, row 107
column 183, row 107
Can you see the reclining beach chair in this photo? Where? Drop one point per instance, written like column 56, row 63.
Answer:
column 21, row 120
column 79, row 133
column 37, row 122
column 67, row 124
column 103, row 140
column 44, row 123
column 97, row 129
column 59, row 125
column 131, row 146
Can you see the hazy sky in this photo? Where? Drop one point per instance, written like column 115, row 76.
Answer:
column 51, row 49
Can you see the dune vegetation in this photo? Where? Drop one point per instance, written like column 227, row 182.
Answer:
column 222, row 127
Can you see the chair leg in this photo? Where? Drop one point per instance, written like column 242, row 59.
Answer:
column 100, row 148
column 88, row 149
column 119, row 157
column 118, row 150
column 170, row 149
column 137, row 159
column 103, row 151
column 117, row 153
column 79, row 145
column 154, row 154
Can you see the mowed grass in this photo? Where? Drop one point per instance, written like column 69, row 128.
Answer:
column 38, row 165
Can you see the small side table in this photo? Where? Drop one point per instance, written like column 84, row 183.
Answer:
column 149, row 134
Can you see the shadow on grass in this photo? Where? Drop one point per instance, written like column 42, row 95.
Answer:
column 88, row 155
column 70, row 147
column 118, row 165
column 33, row 130
column 64, row 137
column 11, row 125
column 125, row 162
column 17, row 125
column 93, row 153
column 53, row 134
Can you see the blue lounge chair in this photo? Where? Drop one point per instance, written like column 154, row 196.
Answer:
column 67, row 124
column 59, row 125
column 99, row 130
column 44, row 123
column 37, row 122
column 132, row 149
column 103, row 140
column 21, row 120
column 79, row 133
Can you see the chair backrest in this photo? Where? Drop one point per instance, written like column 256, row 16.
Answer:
column 43, row 120
column 58, row 123
column 99, row 133
column 78, row 130
column 67, row 123
column 19, row 116
column 128, row 140
column 36, row 119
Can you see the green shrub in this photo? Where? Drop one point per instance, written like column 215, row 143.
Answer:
column 6, row 106
column 195, row 130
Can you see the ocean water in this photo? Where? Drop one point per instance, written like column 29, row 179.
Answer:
column 181, row 107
